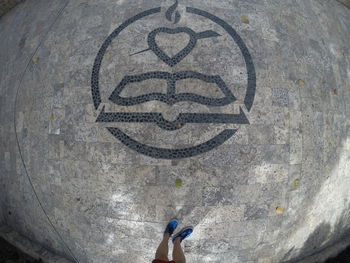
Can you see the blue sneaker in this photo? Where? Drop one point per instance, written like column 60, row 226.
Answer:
column 172, row 225
column 184, row 233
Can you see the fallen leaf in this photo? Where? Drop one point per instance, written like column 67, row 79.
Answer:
column 178, row 183
column 296, row 183
column 52, row 117
column 279, row 210
column 245, row 19
column 35, row 59
column 301, row 82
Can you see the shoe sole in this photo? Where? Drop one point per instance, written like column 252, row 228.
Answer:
column 174, row 219
column 181, row 231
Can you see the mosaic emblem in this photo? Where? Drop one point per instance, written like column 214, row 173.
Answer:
column 172, row 77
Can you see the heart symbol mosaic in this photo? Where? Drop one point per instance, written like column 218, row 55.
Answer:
column 172, row 60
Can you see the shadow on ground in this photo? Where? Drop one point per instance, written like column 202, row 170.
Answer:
column 343, row 257
column 10, row 254
column 322, row 238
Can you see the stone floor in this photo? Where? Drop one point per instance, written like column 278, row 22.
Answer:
column 232, row 116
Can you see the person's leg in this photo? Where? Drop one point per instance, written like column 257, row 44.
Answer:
column 178, row 254
column 163, row 249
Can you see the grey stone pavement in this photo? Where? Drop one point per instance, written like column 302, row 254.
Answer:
column 276, row 190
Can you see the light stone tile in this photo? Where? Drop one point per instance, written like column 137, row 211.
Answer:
column 85, row 132
column 260, row 134
column 227, row 213
column 265, row 260
column 241, row 136
column 55, row 122
column 75, row 150
column 74, row 114
column 20, row 120
column 268, row 173
column 130, row 211
column 294, row 98
column 296, row 137
column 237, row 194
column 7, row 159
column 162, row 195
column 294, row 174
column 272, row 194
column 276, row 154
column 240, row 229
column 281, row 135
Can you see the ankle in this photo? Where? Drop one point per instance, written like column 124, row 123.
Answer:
column 178, row 240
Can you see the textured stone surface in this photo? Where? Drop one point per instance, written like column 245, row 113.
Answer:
column 108, row 202
column 345, row 2
column 7, row 5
